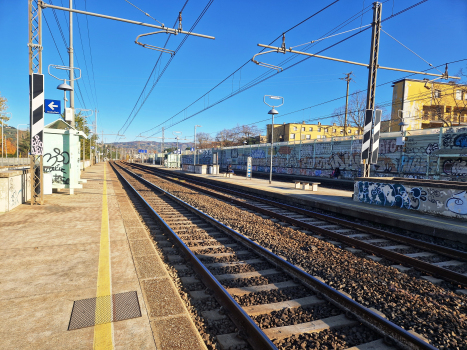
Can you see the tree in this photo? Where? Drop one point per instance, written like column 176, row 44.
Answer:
column 23, row 143
column 204, row 139
column 356, row 111
column 3, row 109
column 10, row 147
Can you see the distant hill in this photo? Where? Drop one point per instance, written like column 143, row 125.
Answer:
column 151, row 145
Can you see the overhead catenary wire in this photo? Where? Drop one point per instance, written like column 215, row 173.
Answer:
column 152, row 72
column 254, row 83
column 410, row 50
column 330, row 36
column 90, row 54
column 170, row 60
column 147, row 14
column 342, row 97
column 79, row 95
column 418, row 97
column 243, row 65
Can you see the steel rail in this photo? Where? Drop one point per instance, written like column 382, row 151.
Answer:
column 397, row 257
column 373, row 320
column 255, row 336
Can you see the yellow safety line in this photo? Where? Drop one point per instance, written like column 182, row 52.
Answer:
column 103, row 332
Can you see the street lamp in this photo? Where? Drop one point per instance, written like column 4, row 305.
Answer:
column 194, row 154
column 177, row 137
column 272, row 112
column 65, row 87
column 3, row 122
column 17, row 138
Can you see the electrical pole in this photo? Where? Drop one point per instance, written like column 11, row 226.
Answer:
column 348, row 79
column 36, row 100
column 162, row 143
column 371, row 91
column 72, row 82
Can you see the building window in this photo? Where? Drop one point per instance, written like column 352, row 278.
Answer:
column 295, row 128
column 310, row 129
column 437, row 93
column 326, row 130
column 448, row 109
column 342, row 132
column 458, row 94
column 303, row 129
column 334, row 130
column 349, row 131
column 308, row 137
column 356, row 132
column 292, row 136
column 319, row 129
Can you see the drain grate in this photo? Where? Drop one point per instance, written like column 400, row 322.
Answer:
column 105, row 309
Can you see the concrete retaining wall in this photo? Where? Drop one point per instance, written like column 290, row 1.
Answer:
column 424, row 154
column 445, row 199
column 14, row 189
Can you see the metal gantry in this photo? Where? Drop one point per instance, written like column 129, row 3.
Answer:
column 35, row 68
column 373, row 69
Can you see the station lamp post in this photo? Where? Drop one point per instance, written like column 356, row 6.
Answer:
column 194, row 154
column 272, row 112
column 177, row 137
column 3, row 135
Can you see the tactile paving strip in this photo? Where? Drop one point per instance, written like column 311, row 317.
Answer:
column 105, row 309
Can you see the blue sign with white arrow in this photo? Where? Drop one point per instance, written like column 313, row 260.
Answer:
column 52, row 106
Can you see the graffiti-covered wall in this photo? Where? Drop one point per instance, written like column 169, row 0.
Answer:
column 426, row 199
column 424, row 154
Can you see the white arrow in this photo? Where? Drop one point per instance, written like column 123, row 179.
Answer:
column 52, row 106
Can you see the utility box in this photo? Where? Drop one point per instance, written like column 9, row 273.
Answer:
column 62, row 150
column 200, row 169
column 213, row 169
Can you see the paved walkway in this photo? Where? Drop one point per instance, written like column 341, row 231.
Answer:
column 340, row 201
column 52, row 255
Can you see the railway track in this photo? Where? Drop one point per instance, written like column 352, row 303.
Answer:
column 273, row 303
column 439, row 262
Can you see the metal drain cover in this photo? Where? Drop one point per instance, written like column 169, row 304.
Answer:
column 105, row 309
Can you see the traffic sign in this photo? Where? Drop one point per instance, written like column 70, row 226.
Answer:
column 192, row 149
column 92, row 147
column 142, row 151
column 52, row 106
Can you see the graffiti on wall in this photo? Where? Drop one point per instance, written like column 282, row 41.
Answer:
column 391, row 195
column 458, row 203
column 418, row 158
column 55, row 163
column 455, row 167
column 431, row 200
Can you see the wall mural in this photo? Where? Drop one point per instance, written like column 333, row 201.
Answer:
column 431, row 200
column 414, row 160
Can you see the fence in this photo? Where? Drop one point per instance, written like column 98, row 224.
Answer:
column 425, row 154
column 14, row 161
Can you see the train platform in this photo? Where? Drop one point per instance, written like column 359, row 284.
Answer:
column 81, row 272
column 340, row 202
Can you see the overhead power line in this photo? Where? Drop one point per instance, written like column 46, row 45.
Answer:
column 271, row 75
column 169, row 61
column 243, row 65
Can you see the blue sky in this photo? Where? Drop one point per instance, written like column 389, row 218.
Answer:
column 435, row 30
